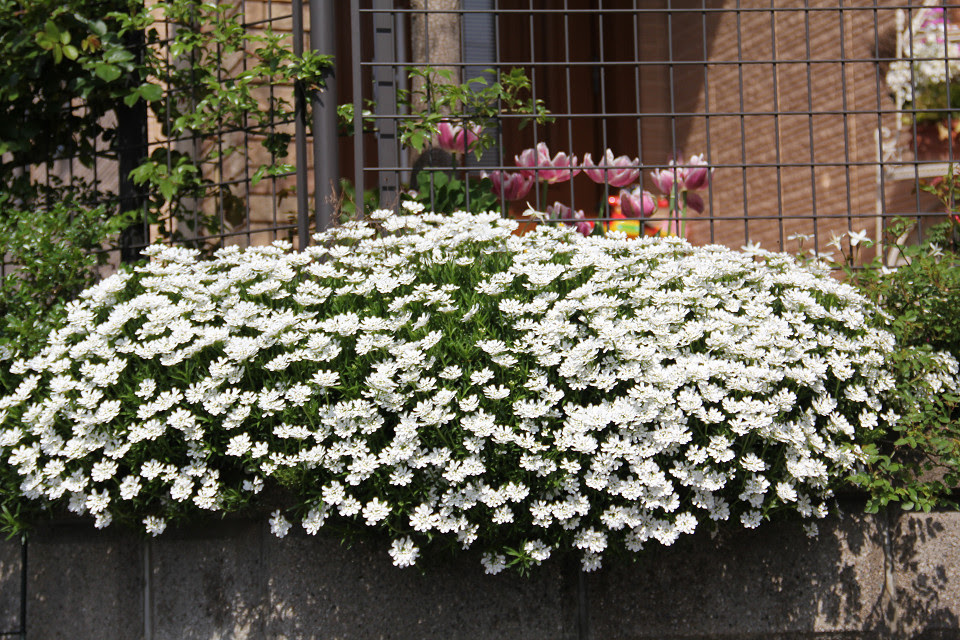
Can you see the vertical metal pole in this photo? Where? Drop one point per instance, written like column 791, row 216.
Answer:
column 357, row 107
column 300, row 134
column 403, row 60
column 326, row 155
column 385, row 96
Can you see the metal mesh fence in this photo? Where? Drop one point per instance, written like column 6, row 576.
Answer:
column 796, row 108
column 220, row 198
column 814, row 119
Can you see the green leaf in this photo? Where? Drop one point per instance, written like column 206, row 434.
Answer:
column 258, row 175
column 117, row 55
column 151, row 92
column 107, row 72
column 416, row 140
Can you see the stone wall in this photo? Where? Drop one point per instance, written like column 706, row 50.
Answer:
column 863, row 577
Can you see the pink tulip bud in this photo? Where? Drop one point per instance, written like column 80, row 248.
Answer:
column 537, row 162
column 617, row 172
column 510, row 186
column 637, row 203
column 575, row 219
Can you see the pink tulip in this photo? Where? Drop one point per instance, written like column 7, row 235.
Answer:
column 696, row 174
column 537, row 162
column 450, row 137
column 617, row 172
column 637, row 203
column 575, row 219
column 689, row 176
column 663, row 179
column 509, row 186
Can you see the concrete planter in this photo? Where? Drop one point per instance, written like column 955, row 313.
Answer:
column 865, row 576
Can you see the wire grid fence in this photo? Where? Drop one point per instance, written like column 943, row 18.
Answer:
column 228, row 204
column 232, row 207
column 789, row 105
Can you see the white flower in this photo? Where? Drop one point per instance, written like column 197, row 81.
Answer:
column 314, row 520
column 786, row 492
column 481, row 377
column 325, row 378
column 279, row 526
column 404, row 552
column 154, row 525
column 856, row 237
column 254, row 486
column 375, row 511
column 130, row 487
column 751, row 519
column 496, row 392
column 537, row 550
column 493, row 563
column 451, row 372
column 103, row 470
column 238, row 445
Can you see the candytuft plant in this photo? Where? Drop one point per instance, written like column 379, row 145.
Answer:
column 450, row 383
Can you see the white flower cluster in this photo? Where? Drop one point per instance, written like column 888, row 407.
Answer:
column 929, row 55
column 442, row 378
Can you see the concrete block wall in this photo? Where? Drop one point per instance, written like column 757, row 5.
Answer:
column 865, row 576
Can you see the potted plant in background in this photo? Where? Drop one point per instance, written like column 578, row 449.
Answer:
column 925, row 80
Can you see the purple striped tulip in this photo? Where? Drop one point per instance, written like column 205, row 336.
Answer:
column 696, row 174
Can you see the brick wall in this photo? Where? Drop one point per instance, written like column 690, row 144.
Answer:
column 799, row 154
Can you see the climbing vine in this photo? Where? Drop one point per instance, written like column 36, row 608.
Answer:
column 71, row 72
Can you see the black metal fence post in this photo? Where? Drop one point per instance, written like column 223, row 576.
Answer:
column 300, row 134
column 131, row 150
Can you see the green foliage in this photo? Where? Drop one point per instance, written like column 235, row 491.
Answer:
column 55, row 254
column 347, row 208
column 916, row 463
column 442, row 193
column 178, row 58
column 434, row 97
